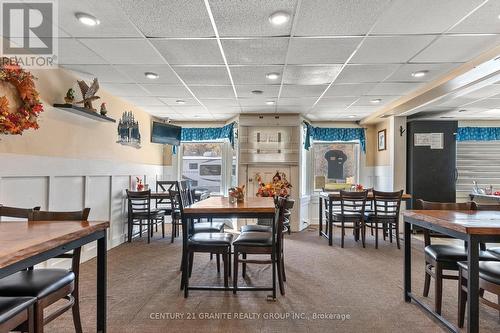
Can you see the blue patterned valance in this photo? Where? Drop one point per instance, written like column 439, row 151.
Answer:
column 478, row 133
column 334, row 134
column 189, row 134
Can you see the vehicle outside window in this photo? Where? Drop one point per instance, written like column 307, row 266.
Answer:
column 202, row 165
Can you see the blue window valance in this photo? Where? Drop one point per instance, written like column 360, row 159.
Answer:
column 189, row 134
column 478, row 134
column 334, row 134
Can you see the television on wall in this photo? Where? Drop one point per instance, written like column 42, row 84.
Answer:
column 165, row 134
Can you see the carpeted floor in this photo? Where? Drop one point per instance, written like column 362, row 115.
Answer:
column 361, row 289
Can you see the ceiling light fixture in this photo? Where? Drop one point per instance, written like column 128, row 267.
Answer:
column 180, row 101
column 279, row 18
column 376, row 101
column 272, row 76
column 87, row 19
column 419, row 73
column 151, row 75
column 270, row 102
column 257, row 92
column 351, row 116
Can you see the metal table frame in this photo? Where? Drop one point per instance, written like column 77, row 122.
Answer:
column 253, row 215
column 473, row 269
column 100, row 237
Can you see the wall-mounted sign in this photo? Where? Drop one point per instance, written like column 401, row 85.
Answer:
column 432, row 140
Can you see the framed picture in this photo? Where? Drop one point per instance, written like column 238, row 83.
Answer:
column 382, row 145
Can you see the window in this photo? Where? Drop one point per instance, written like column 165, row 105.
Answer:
column 202, row 164
column 335, row 163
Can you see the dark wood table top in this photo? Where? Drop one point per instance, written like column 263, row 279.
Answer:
column 166, row 195
column 464, row 221
column 222, row 205
column 21, row 240
column 336, row 195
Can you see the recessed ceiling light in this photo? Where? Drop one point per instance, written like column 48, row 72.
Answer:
column 279, row 18
column 180, row 101
column 151, row 75
column 270, row 102
column 351, row 116
column 419, row 73
column 87, row 19
column 376, row 101
column 257, row 92
column 272, row 76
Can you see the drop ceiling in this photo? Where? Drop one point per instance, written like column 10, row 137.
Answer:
column 333, row 57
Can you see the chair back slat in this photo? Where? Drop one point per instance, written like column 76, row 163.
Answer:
column 353, row 202
column 387, row 204
column 430, row 205
column 487, row 207
column 22, row 213
column 139, row 202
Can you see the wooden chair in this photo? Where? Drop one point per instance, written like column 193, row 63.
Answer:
column 351, row 215
column 21, row 213
column 489, row 280
column 16, row 313
column 385, row 214
column 165, row 204
column 49, row 285
column 139, row 209
column 441, row 257
column 493, row 250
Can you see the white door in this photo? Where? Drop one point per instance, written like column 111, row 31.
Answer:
column 266, row 173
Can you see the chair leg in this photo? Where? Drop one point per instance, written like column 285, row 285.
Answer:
column 390, row 232
column 149, row 230
column 438, row 280
column 211, row 256
column 280, row 275
column 363, row 233
column 163, row 227
column 342, row 236
column 140, row 228
column 376, row 235
column 235, row 273
column 427, row 283
column 217, row 256
column 173, row 231
column 229, row 264
column 191, row 260
column 38, row 313
column 225, row 259
column 76, row 312
column 130, row 230
column 396, row 226
column 462, row 300
column 244, row 265
column 330, row 233
column 384, row 231
column 185, row 273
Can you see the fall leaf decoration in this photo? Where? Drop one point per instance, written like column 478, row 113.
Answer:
column 25, row 117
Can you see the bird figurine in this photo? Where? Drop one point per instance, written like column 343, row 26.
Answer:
column 88, row 94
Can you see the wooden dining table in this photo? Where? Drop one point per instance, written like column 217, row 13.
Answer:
column 474, row 227
column 26, row 244
column 220, row 207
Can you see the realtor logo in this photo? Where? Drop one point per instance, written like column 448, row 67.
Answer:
column 29, row 32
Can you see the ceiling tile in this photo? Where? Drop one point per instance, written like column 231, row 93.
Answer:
column 212, row 91
column 114, row 22
column 292, row 109
column 367, row 101
column 190, row 110
column 390, row 49
column 163, row 90
column 258, row 109
column 484, row 20
column 302, row 90
column 489, row 103
column 306, row 102
column 393, row 89
column 310, row 74
column 340, row 17
column 262, row 51
column 225, row 110
column 433, row 71
column 337, row 102
column 254, row 74
column 172, row 101
column 366, row 73
column 321, row 50
column 124, row 89
column 124, row 51
column 220, row 103
column 223, row 116
column 203, row 75
column 189, row 51
column 267, row 90
column 250, row 17
column 105, row 73
column 155, row 110
column 457, row 48
column 73, row 52
column 145, row 101
column 492, row 90
column 423, row 16
column 173, row 18
column 257, row 101
column 350, row 89
column 136, row 72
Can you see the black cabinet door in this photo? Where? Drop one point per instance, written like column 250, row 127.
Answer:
column 431, row 173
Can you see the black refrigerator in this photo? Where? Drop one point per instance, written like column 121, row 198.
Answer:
column 431, row 160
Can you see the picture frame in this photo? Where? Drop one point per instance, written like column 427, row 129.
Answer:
column 382, row 140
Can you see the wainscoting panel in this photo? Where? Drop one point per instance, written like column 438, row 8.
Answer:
column 67, row 193
column 36, row 194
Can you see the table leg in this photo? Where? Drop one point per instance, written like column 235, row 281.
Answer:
column 273, row 256
column 101, row 283
column 320, row 216
column 330, row 223
column 473, row 285
column 407, row 265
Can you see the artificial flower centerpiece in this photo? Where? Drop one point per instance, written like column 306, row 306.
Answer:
column 237, row 193
column 140, row 185
column 278, row 187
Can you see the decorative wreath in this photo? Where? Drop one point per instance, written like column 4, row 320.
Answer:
column 25, row 117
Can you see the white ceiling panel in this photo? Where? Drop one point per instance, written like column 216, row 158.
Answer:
column 124, row 89
column 315, row 75
column 250, row 17
column 489, row 103
column 390, row 49
column 457, row 48
column 114, row 22
column 302, row 90
column 136, row 72
column 73, row 52
column 292, row 109
column 433, row 71
column 163, row 90
column 262, row 51
column 159, row 109
column 172, row 18
column 423, row 16
column 228, row 111
column 392, row 89
column 267, row 90
column 487, row 91
column 189, row 51
column 484, row 20
column 258, row 109
column 203, row 75
column 220, row 103
column 339, row 17
column 213, row 91
column 124, row 51
column 306, row 102
column 190, row 110
column 221, row 116
column 367, row 101
column 105, row 73
column 255, row 74
column 143, row 101
column 336, row 102
column 172, row 101
column 349, row 89
column 366, row 73
column 321, row 50
column 256, row 101
column 361, row 110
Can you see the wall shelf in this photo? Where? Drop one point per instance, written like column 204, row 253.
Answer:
column 84, row 112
